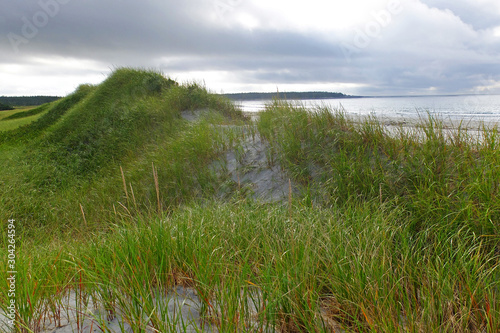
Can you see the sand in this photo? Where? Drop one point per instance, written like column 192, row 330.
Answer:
column 183, row 315
column 248, row 166
column 255, row 175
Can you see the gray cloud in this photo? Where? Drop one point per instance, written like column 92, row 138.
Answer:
column 432, row 45
column 478, row 15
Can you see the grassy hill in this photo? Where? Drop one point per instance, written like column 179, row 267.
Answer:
column 51, row 113
column 117, row 197
column 80, row 139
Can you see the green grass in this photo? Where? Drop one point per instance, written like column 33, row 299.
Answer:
column 13, row 124
column 73, row 154
column 9, row 113
column 357, row 264
column 51, row 114
column 24, row 112
column 118, row 199
column 436, row 176
column 10, row 120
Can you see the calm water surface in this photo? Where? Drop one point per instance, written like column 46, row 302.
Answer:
column 465, row 107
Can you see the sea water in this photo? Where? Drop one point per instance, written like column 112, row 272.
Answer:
column 483, row 108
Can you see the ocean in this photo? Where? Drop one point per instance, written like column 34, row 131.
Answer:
column 482, row 108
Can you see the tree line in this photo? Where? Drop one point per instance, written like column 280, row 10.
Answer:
column 251, row 96
column 5, row 107
column 11, row 101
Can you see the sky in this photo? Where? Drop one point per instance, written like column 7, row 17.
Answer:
column 357, row 47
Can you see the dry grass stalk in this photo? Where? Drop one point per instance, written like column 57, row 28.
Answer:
column 157, row 187
column 124, row 183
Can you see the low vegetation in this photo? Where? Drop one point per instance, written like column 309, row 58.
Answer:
column 4, row 107
column 25, row 112
column 117, row 199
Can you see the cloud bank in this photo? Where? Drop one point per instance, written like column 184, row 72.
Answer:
column 378, row 47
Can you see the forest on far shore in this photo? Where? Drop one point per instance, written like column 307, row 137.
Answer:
column 25, row 100
column 7, row 102
column 5, row 107
column 252, row 96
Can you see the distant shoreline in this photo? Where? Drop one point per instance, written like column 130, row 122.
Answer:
column 312, row 95
column 257, row 96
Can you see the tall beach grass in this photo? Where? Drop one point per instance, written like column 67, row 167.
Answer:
column 391, row 232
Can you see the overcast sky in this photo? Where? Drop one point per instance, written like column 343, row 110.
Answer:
column 360, row 47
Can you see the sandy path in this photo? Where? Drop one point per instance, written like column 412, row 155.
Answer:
column 251, row 169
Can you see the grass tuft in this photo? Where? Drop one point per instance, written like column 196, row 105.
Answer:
column 119, row 216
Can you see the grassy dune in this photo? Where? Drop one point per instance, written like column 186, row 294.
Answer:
column 11, row 113
column 10, row 120
column 118, row 199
